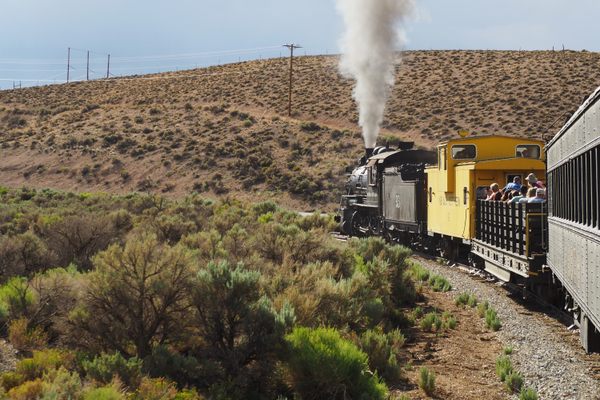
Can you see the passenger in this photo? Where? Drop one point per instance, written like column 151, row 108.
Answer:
column 515, row 184
column 494, row 189
column 505, row 195
column 540, row 196
column 521, row 195
column 531, row 193
column 534, row 182
column 498, row 195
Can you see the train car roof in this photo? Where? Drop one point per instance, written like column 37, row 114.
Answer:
column 403, row 156
column 492, row 136
column 580, row 111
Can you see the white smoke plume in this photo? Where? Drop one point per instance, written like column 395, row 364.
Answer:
column 372, row 36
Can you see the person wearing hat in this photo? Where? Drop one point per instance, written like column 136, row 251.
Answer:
column 540, row 196
column 533, row 181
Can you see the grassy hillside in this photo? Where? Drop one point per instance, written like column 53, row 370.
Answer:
column 224, row 130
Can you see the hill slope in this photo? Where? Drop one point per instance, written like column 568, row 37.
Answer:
column 223, row 129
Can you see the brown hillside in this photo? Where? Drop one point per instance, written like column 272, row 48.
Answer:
column 223, row 130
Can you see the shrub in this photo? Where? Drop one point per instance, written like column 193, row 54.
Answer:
column 449, row 321
column 11, row 379
column 466, row 299
column 528, row 394
column 418, row 273
column 310, row 126
column 383, row 350
column 183, row 370
column 323, row 365
column 29, row 390
column 427, row 381
column 491, row 320
column 104, row 393
column 508, row 351
column 62, row 384
column 22, row 254
column 482, row 308
column 40, row 363
column 75, row 239
column 439, row 283
column 241, row 331
column 431, row 322
column 503, row 367
column 514, row 382
column 24, row 338
column 106, row 367
column 155, row 389
column 16, row 299
column 136, row 295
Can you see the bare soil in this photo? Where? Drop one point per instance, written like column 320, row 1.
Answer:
column 463, row 359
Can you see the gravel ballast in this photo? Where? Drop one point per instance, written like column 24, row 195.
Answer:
column 544, row 351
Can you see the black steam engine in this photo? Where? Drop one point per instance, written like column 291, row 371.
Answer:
column 387, row 194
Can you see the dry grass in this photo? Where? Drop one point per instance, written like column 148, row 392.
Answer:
column 223, row 130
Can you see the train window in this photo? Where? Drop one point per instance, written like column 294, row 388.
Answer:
column 528, row 151
column 464, row 152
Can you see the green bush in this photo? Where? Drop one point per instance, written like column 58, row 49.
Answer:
column 449, row 321
column 431, row 322
column 62, row 384
column 323, row 365
column 482, row 308
column 105, row 367
column 503, row 367
column 183, row 370
column 241, row 330
column 427, row 381
column 514, row 382
column 11, row 379
column 16, row 299
column 466, row 299
column 41, row 362
column 104, row 393
column 491, row 320
column 528, row 394
column 29, row 390
column 439, row 283
column 383, row 350
column 417, row 272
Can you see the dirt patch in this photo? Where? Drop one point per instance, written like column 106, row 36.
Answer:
column 463, row 359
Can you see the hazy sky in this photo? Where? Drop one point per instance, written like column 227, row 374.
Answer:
column 35, row 34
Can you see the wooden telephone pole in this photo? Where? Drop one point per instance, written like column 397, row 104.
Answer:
column 292, row 47
column 68, row 63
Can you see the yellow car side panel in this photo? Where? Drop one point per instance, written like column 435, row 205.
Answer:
column 453, row 191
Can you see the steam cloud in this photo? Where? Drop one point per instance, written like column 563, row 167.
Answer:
column 369, row 44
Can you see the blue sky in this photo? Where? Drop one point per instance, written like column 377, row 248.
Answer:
column 36, row 33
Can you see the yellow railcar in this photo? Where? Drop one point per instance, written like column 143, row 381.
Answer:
column 466, row 167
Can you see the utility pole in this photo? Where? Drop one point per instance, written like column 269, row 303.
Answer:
column 108, row 67
column 68, row 63
column 87, row 73
column 292, row 47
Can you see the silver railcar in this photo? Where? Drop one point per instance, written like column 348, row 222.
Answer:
column 573, row 158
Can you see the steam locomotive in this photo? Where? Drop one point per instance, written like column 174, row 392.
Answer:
column 435, row 201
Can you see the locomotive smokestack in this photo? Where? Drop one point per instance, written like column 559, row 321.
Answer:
column 369, row 152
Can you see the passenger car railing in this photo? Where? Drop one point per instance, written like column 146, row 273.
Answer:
column 519, row 228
